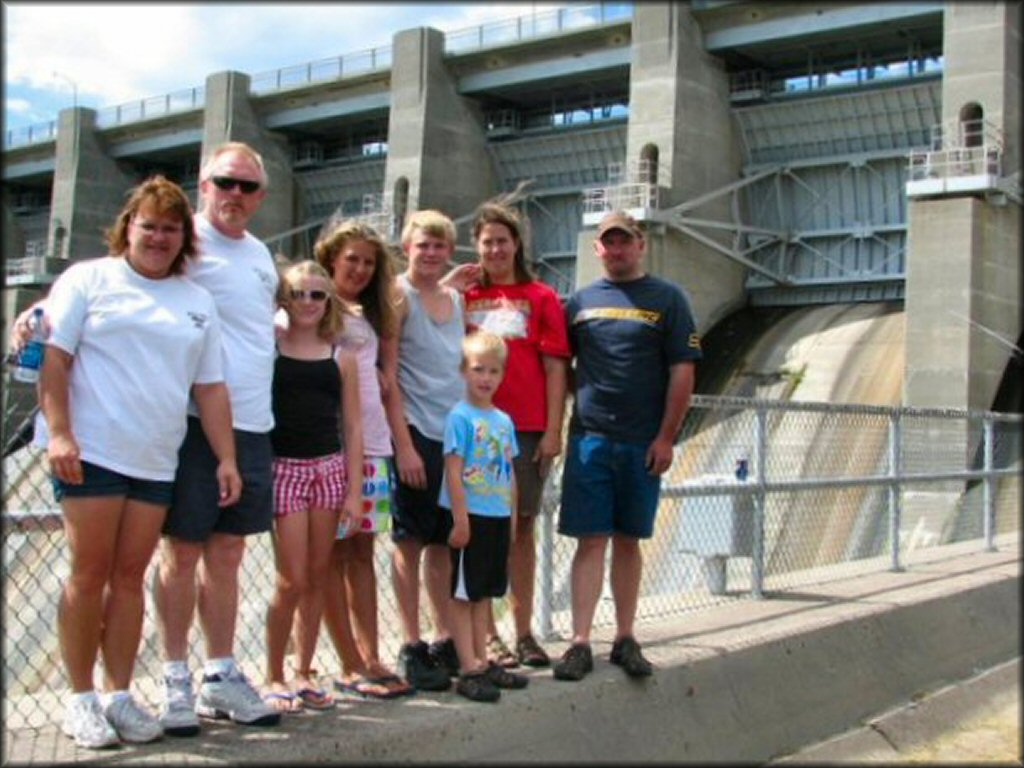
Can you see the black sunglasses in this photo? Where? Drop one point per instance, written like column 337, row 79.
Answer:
column 314, row 295
column 227, row 184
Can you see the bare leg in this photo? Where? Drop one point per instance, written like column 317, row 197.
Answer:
column 586, row 578
column 522, row 568
column 438, row 577
column 218, row 592
column 91, row 525
column 123, row 609
column 320, row 543
column 291, row 543
column 406, row 574
column 626, row 570
column 175, row 594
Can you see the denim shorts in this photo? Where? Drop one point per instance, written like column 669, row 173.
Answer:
column 100, row 481
column 607, row 489
column 195, row 512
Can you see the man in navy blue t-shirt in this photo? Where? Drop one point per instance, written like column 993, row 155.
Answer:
column 635, row 344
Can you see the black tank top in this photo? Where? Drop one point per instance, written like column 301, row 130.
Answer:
column 307, row 403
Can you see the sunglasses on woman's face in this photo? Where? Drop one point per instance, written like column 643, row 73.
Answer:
column 228, row 183
column 314, row 295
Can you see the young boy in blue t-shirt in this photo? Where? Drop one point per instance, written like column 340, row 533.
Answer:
column 480, row 489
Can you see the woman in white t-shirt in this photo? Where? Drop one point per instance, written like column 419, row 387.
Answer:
column 131, row 337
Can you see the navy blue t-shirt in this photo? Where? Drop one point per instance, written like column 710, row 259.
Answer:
column 625, row 336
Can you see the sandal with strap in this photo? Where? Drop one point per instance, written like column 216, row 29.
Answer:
column 500, row 654
column 530, row 653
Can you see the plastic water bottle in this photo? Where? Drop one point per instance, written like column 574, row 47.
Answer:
column 30, row 358
column 742, row 469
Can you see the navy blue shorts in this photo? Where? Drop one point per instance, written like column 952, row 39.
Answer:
column 195, row 514
column 100, row 481
column 480, row 569
column 607, row 489
column 417, row 515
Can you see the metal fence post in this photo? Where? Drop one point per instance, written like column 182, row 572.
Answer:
column 546, row 565
column 895, row 488
column 757, row 548
column 988, row 509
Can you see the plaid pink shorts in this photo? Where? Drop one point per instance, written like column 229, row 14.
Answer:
column 304, row 484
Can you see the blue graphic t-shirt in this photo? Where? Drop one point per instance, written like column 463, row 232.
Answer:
column 486, row 441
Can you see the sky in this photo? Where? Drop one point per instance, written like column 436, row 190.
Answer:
column 106, row 54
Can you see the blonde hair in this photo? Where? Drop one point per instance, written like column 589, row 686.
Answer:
column 376, row 299
column 432, row 222
column 333, row 319
column 482, row 344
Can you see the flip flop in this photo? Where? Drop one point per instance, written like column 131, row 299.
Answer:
column 315, row 698
column 363, row 687
column 273, row 698
column 388, row 680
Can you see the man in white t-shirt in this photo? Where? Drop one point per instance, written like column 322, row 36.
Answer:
column 239, row 271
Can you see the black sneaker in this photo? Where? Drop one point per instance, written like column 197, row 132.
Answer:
column 477, row 686
column 626, row 654
column 416, row 666
column 444, row 656
column 502, row 678
column 575, row 663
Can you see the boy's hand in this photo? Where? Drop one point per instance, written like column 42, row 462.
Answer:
column 459, row 537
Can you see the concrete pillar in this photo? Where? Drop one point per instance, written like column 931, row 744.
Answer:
column 679, row 111
column 963, row 287
column 229, row 116
column 436, row 140
column 88, row 188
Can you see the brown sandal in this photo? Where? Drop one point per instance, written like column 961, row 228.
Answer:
column 499, row 653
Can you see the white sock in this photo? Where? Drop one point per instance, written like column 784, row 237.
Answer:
column 110, row 697
column 177, row 668
column 84, row 697
column 223, row 666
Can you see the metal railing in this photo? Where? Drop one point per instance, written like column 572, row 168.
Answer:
column 832, row 491
column 961, row 152
column 346, row 65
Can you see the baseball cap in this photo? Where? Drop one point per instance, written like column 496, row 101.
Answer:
column 619, row 220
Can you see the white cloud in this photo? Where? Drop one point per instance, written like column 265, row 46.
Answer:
column 18, row 106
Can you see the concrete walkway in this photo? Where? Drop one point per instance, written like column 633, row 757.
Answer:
column 968, row 722
column 751, row 681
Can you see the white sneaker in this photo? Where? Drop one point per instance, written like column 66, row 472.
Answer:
column 133, row 724
column 232, row 696
column 85, row 722
column 178, row 715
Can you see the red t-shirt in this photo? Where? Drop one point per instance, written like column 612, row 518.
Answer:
column 531, row 320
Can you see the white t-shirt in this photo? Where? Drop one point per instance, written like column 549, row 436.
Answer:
column 139, row 345
column 241, row 276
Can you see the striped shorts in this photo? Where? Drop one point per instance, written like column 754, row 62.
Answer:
column 304, row 484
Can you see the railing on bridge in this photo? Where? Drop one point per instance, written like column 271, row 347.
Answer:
column 832, row 491
column 964, row 156
column 630, row 187
column 459, row 41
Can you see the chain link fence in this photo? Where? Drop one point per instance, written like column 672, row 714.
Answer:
column 830, row 490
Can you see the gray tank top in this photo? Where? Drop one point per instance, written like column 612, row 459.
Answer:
column 429, row 354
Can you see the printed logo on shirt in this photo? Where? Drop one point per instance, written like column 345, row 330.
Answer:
column 694, row 341
column 631, row 314
column 199, row 319
column 265, row 277
column 508, row 318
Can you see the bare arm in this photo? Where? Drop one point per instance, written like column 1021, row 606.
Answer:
column 215, row 416
column 677, row 403
column 54, row 400
column 410, row 465
column 352, row 426
column 459, row 536
column 555, row 386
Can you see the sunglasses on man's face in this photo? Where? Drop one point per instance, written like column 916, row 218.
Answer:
column 227, row 184
column 314, row 295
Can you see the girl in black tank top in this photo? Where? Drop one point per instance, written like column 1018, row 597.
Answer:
column 315, row 391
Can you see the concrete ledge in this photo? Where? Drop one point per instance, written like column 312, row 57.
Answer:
column 747, row 682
